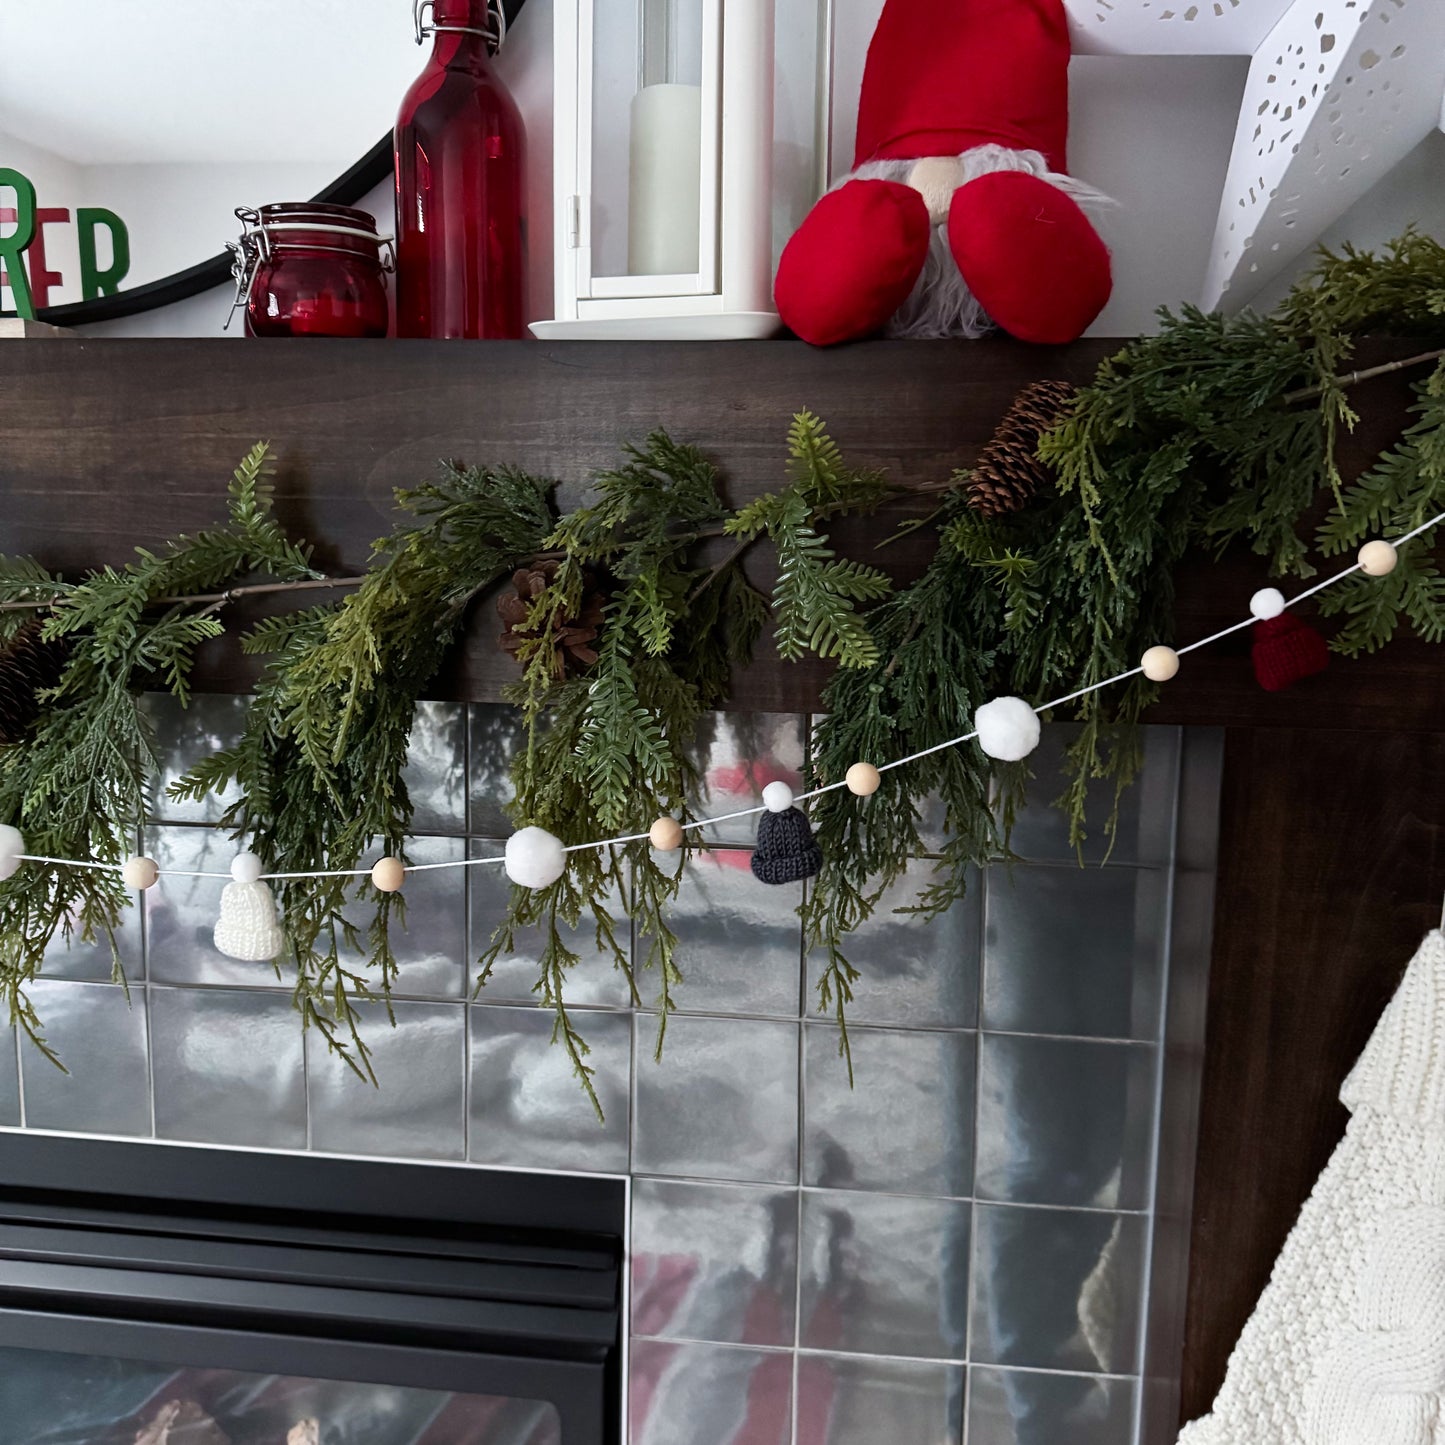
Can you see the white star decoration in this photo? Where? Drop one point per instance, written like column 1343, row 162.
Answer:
column 1339, row 93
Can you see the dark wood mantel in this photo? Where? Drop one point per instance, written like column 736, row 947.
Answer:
column 1333, row 853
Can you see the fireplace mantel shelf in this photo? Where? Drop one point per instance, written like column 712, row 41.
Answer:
column 110, row 444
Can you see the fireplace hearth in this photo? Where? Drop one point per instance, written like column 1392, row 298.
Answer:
column 158, row 1295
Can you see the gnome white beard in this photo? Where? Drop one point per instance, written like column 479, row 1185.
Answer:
column 941, row 303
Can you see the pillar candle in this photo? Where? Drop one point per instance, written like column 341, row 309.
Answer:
column 664, row 180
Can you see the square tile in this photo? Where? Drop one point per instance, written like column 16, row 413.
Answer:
column 100, row 1037
column 850, row 1400
column 737, row 754
column 907, row 1124
column 690, row 1394
column 884, row 1275
column 181, row 913
column 1065, row 1121
column 916, row 972
column 10, row 1079
column 739, row 942
column 1019, row 1407
column 1145, row 832
column 722, row 1103
column 528, row 1109
column 594, row 980
column 431, row 945
column 436, row 768
column 228, row 1067
column 714, row 1262
column 94, row 961
column 1057, row 1289
column 1070, row 950
column 495, row 733
column 184, row 736
column 417, row 1108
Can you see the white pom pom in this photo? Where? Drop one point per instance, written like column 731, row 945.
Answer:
column 534, row 858
column 12, row 845
column 1268, row 602
column 1008, row 728
column 246, row 868
column 777, row 797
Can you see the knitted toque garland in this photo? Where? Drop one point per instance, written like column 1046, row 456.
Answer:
column 787, row 850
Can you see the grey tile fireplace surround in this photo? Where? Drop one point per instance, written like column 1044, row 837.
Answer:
column 957, row 1250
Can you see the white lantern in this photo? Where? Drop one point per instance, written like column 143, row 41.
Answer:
column 663, row 169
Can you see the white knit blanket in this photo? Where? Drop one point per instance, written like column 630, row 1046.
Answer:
column 1347, row 1345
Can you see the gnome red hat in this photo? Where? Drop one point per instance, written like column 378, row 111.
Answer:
column 959, row 212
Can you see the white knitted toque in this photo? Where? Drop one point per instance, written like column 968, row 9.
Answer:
column 1347, row 1345
column 248, row 929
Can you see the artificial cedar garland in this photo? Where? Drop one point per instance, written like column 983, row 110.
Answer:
column 1214, row 431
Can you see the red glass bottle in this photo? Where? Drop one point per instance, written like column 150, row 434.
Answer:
column 460, row 186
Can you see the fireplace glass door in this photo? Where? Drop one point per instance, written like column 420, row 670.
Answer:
column 51, row 1398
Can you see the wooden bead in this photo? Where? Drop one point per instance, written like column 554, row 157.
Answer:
column 862, row 780
column 1378, row 558
column 665, row 835
column 139, row 873
column 388, row 874
column 1160, row 663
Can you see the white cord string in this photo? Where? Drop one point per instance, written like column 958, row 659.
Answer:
column 699, row 823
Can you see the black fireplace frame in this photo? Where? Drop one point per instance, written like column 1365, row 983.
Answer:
column 428, row 1276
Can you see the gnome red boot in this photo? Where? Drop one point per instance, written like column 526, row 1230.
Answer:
column 965, row 104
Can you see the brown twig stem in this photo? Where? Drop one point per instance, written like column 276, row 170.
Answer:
column 1353, row 378
column 213, row 599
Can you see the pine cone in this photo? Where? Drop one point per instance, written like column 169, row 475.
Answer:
column 28, row 666
column 574, row 637
column 1008, row 473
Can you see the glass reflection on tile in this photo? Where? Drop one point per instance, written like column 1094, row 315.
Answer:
column 528, row 1109
column 100, row 1037
column 181, row 913
column 714, row 1262
column 690, row 1394
column 722, row 1104
column 905, row 1126
column 436, row 768
column 95, row 961
column 1019, row 1407
column 739, row 942
column 1065, row 1121
column 883, row 1274
column 594, row 979
column 737, row 755
column 1057, row 1289
column 417, row 1107
column 1072, row 950
column 228, row 1067
column 1146, row 811
column 431, row 947
column 9, row 1080
column 916, row 972
column 847, row 1400
column 494, row 734
column 184, row 736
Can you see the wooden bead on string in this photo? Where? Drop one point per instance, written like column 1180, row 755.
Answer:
column 388, row 874
column 862, row 780
column 1378, row 558
column 665, row 835
column 139, row 872
column 1160, row 663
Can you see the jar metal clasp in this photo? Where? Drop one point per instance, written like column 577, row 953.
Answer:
column 494, row 34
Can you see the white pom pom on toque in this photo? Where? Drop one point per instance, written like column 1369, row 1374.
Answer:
column 1160, row 663
column 534, row 858
column 1008, row 728
column 246, row 868
column 777, row 797
column 1267, row 603
column 1378, row 558
column 12, row 845
column 139, row 872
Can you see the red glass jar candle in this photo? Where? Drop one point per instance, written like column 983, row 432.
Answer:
column 311, row 269
column 460, row 183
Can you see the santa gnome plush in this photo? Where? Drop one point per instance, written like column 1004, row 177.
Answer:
column 959, row 212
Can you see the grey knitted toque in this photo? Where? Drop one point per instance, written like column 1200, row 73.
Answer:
column 787, row 850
